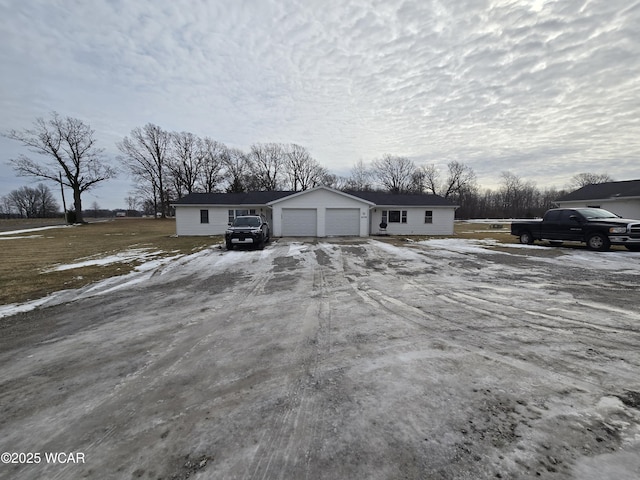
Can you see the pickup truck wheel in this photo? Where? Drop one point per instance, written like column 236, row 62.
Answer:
column 598, row 241
column 260, row 245
column 526, row 238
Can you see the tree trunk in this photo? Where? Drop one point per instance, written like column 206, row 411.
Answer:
column 77, row 203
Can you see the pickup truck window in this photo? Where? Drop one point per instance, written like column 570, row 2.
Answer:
column 597, row 213
column 552, row 216
column 566, row 216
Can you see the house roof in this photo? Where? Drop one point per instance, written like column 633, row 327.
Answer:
column 244, row 198
column 263, row 198
column 602, row 191
column 402, row 199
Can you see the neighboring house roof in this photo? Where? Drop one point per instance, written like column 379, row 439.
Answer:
column 602, row 191
column 263, row 198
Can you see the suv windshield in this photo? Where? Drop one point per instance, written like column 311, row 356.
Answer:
column 596, row 213
column 247, row 222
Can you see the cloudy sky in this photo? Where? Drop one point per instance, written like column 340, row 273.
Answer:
column 542, row 88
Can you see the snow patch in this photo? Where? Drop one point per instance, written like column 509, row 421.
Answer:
column 127, row 256
column 27, row 230
column 16, row 238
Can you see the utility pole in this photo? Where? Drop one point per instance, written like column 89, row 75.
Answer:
column 64, row 204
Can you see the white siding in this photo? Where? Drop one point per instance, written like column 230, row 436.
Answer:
column 299, row 222
column 188, row 218
column 443, row 218
column 624, row 207
column 342, row 221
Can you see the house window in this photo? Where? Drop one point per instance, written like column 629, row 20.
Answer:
column 240, row 212
column 394, row 216
column 204, row 216
column 428, row 216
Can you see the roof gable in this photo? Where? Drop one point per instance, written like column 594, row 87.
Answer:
column 322, row 187
column 602, row 191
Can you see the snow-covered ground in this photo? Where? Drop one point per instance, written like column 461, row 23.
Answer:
column 438, row 359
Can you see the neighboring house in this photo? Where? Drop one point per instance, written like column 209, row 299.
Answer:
column 621, row 198
column 318, row 212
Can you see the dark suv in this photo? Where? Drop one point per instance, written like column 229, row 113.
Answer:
column 248, row 230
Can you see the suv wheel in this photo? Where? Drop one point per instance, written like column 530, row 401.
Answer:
column 229, row 246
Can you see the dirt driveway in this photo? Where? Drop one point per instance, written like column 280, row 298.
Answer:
column 336, row 359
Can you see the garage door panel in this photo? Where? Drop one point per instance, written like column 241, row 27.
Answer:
column 299, row 222
column 342, row 221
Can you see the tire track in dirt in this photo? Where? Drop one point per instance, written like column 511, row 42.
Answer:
column 286, row 445
column 166, row 364
column 439, row 323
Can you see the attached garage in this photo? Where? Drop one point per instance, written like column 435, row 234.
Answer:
column 320, row 212
column 342, row 222
column 299, row 222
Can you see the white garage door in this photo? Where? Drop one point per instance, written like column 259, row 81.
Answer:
column 343, row 221
column 299, row 222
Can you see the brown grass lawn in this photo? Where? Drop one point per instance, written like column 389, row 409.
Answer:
column 28, row 258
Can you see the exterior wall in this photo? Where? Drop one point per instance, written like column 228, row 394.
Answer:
column 443, row 218
column 627, row 208
column 188, row 218
column 321, row 200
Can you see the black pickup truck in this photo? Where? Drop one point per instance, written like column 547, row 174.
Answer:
column 596, row 227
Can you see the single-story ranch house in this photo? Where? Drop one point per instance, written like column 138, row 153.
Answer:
column 621, row 198
column 318, row 212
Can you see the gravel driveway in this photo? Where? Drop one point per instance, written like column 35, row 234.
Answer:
column 354, row 359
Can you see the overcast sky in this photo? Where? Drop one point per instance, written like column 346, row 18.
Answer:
column 542, row 88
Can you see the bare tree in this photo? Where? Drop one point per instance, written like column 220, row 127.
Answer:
column 6, row 206
column 460, row 179
column 427, row 179
column 394, row 173
column 48, row 207
column 302, row 170
column 518, row 196
column 33, row 202
column 72, row 158
column 147, row 157
column 24, row 200
column 212, row 171
column 583, row 179
column 361, row 178
column 267, row 162
column 185, row 164
column 237, row 168
column 132, row 202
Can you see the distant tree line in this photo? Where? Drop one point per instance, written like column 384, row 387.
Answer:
column 165, row 166
column 28, row 202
